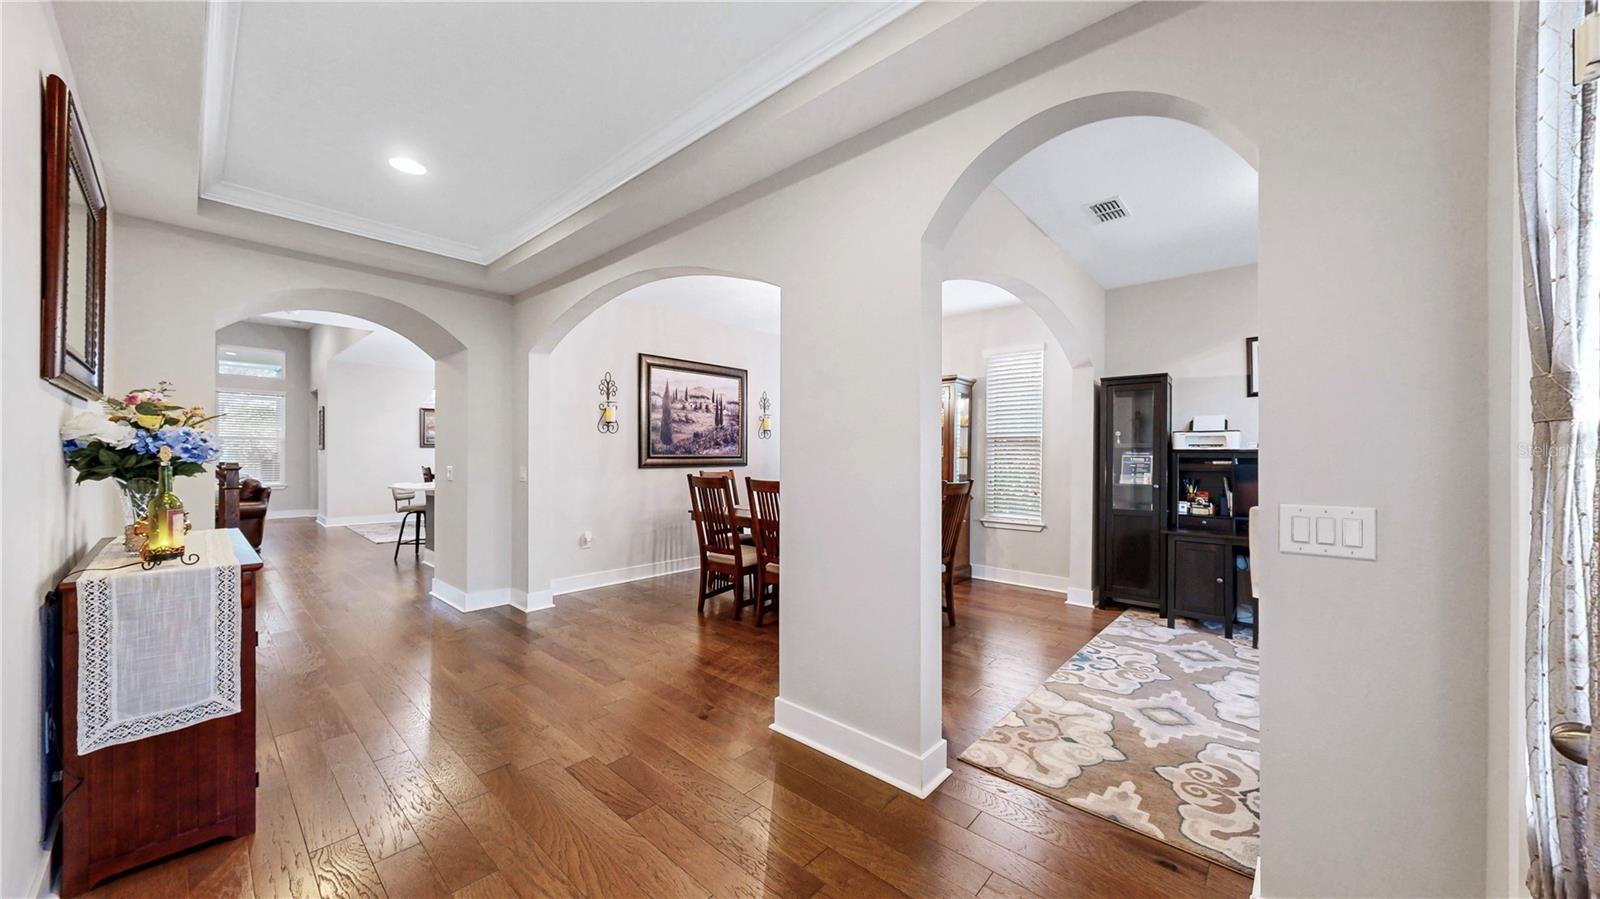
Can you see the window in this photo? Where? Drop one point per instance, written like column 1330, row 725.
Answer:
column 250, row 362
column 1013, row 438
column 250, row 429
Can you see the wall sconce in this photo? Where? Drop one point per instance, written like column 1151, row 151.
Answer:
column 608, row 423
column 764, row 429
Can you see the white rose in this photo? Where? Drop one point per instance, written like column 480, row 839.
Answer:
column 90, row 426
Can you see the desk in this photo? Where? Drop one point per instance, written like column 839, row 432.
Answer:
column 134, row 803
column 426, row 489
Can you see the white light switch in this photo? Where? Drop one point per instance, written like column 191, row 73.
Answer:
column 1325, row 530
column 449, row 472
column 1343, row 532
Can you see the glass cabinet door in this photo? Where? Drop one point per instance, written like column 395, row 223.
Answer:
column 1133, row 448
column 963, row 432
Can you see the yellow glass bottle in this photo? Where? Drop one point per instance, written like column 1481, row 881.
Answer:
column 166, row 523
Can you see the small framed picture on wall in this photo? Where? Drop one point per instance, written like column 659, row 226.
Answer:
column 425, row 428
column 1252, row 366
column 322, row 427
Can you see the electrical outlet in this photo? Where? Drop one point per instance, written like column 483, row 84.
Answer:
column 522, row 473
column 585, row 539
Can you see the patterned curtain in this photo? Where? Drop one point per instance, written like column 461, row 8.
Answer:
column 1555, row 139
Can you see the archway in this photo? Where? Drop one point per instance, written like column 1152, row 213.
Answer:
column 546, row 576
column 450, row 528
column 944, row 260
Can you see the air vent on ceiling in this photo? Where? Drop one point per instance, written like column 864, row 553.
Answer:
column 1107, row 210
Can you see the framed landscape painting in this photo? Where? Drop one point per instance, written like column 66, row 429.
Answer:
column 690, row 413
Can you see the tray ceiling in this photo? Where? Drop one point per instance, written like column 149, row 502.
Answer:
column 522, row 113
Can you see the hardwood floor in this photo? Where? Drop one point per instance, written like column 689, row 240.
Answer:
column 617, row 745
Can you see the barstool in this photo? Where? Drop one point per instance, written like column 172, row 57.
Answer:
column 403, row 503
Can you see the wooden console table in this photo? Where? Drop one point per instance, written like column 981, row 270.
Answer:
column 134, row 803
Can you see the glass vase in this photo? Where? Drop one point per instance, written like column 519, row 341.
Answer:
column 136, row 495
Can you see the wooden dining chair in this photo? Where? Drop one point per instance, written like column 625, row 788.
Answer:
column 746, row 539
column 957, row 496
column 728, row 473
column 764, row 523
column 725, row 563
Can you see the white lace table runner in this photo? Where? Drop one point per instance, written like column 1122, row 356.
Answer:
column 158, row 650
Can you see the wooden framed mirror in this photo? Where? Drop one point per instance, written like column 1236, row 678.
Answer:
column 72, row 323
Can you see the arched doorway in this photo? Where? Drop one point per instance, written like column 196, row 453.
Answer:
column 449, row 398
column 552, row 567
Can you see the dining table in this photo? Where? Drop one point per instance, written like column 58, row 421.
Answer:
column 741, row 517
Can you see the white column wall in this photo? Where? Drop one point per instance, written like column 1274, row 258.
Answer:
column 176, row 287
column 1373, row 211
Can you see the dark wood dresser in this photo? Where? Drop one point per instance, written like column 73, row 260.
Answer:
column 134, row 803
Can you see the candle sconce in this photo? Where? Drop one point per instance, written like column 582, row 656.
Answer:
column 764, row 429
column 608, row 423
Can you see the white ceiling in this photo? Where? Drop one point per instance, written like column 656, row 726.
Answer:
column 141, row 72
column 523, row 113
column 736, row 302
column 381, row 346
column 962, row 297
column 1191, row 200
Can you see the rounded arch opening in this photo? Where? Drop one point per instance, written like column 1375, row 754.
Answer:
column 574, row 315
column 565, row 363
column 431, row 337
column 1028, row 135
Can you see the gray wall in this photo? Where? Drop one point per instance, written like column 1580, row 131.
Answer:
column 1194, row 329
column 299, row 494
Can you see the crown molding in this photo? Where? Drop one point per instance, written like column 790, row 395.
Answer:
column 826, row 38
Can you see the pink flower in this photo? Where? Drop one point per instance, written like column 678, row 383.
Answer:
column 131, row 399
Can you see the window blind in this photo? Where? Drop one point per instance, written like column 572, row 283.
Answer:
column 251, row 431
column 1013, row 436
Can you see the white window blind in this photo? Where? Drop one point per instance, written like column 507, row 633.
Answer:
column 1013, row 437
column 251, row 431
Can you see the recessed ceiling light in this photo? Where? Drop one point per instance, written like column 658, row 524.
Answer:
column 408, row 165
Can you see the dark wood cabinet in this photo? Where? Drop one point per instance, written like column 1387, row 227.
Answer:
column 1198, row 576
column 955, row 454
column 1133, row 421
column 135, row 803
column 1208, row 534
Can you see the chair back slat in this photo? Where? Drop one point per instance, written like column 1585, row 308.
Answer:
column 715, row 526
column 764, row 517
column 957, row 497
column 731, row 481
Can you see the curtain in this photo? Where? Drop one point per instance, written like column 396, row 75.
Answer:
column 1555, row 137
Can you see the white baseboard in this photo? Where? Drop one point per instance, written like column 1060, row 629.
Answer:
column 1255, row 882
column 291, row 513
column 1080, row 596
column 533, row 602
column 1051, row 582
column 574, row 583
column 918, row 775
column 478, row 600
column 343, row 521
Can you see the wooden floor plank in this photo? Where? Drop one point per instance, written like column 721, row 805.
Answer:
column 324, row 818
column 617, row 745
column 378, row 818
column 344, row 870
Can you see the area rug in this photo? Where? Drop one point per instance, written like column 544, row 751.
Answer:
column 386, row 532
column 1155, row 729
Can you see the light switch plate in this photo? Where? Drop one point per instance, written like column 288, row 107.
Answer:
column 1341, row 532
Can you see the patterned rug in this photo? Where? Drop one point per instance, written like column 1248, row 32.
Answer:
column 388, row 531
column 1152, row 728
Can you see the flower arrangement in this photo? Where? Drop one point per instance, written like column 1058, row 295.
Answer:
column 122, row 439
